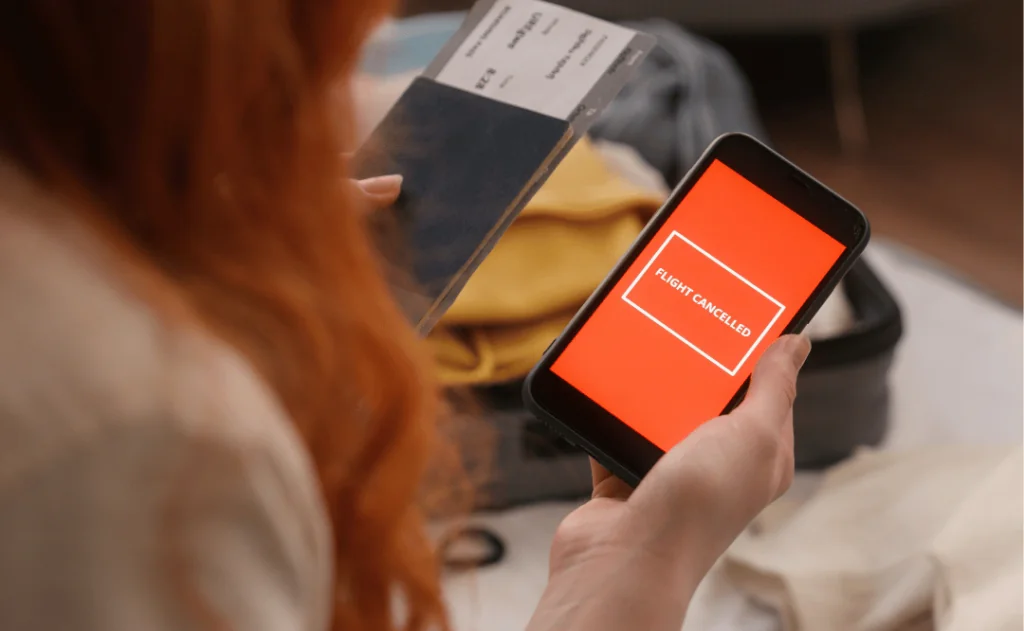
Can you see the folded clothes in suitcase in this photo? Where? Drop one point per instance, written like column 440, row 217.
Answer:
column 842, row 404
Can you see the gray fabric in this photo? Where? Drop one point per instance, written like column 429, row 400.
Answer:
column 687, row 93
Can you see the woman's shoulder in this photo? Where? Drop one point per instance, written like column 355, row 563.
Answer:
column 83, row 356
column 110, row 418
column 80, row 351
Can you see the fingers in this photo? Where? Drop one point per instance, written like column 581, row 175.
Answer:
column 708, row 488
column 773, row 384
column 606, row 484
column 381, row 191
column 598, row 473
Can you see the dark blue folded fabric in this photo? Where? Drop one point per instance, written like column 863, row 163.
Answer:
column 470, row 165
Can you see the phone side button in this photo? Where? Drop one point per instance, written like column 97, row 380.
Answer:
column 569, row 438
column 559, row 431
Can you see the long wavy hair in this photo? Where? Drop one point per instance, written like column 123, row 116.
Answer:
column 204, row 140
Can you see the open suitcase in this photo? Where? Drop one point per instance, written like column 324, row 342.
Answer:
column 843, row 403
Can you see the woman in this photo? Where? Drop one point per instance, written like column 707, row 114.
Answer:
column 212, row 416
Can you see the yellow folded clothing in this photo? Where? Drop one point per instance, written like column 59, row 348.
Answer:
column 548, row 262
column 495, row 354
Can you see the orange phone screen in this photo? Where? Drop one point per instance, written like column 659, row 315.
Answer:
column 680, row 332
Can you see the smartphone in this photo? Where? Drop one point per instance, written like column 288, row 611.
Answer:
column 746, row 249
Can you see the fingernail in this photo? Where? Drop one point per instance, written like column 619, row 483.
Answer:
column 799, row 347
column 381, row 185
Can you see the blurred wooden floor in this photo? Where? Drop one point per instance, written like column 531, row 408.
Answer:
column 944, row 169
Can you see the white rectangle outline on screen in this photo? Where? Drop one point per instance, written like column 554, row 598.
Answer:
column 732, row 372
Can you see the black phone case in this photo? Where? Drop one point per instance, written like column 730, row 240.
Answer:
column 470, row 165
column 574, row 438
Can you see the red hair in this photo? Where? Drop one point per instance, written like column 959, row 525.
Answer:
column 204, row 139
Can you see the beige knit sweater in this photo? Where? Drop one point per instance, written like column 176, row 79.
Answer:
column 148, row 479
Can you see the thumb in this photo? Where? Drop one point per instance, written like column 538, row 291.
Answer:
column 383, row 190
column 773, row 384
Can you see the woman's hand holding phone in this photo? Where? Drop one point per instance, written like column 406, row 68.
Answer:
column 633, row 558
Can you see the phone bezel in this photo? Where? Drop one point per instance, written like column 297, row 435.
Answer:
column 610, row 441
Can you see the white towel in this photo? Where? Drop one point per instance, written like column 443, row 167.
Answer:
column 930, row 539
